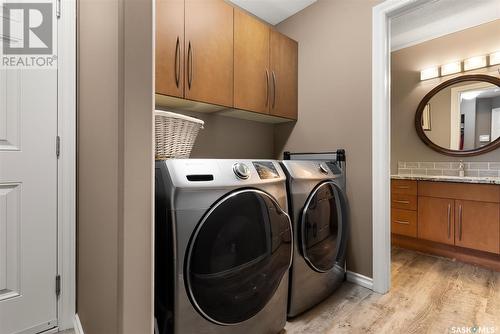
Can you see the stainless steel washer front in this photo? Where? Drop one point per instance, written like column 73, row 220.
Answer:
column 319, row 211
column 237, row 256
column 223, row 247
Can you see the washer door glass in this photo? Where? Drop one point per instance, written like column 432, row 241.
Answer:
column 237, row 256
column 322, row 226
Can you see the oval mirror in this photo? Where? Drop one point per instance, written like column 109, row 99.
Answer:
column 461, row 116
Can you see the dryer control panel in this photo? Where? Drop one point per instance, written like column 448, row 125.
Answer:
column 266, row 170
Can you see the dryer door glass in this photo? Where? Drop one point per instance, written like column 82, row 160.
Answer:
column 238, row 256
column 322, row 226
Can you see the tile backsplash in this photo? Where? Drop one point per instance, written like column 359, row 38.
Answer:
column 490, row 169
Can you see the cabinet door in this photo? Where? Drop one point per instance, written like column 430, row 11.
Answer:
column 251, row 63
column 284, row 76
column 404, row 222
column 209, row 52
column 404, row 187
column 436, row 219
column 405, row 202
column 477, row 225
column 170, row 47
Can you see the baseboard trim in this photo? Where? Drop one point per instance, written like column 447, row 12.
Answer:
column 359, row 279
column 78, row 325
column 352, row 277
column 478, row 258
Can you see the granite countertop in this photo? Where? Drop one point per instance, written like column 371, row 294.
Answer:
column 465, row 179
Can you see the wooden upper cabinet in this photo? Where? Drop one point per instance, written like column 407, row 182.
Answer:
column 284, row 76
column 436, row 219
column 170, row 47
column 252, row 89
column 477, row 225
column 209, row 52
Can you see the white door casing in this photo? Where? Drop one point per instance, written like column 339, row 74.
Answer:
column 381, row 137
column 495, row 124
column 66, row 36
column 28, row 200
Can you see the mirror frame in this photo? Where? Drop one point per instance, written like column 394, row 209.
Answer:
column 420, row 109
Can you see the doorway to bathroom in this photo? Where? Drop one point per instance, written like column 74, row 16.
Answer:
column 401, row 29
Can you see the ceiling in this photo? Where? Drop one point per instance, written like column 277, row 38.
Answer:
column 488, row 93
column 437, row 18
column 273, row 11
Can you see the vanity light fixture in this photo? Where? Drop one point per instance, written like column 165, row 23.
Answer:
column 451, row 68
column 474, row 63
column 455, row 67
column 429, row 73
column 495, row 58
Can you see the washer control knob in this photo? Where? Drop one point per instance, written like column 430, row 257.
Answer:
column 323, row 167
column 241, row 170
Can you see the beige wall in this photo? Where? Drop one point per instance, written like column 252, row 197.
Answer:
column 232, row 138
column 98, row 160
column 407, row 90
column 335, row 103
column 115, row 166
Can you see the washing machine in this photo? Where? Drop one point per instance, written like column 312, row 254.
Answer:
column 318, row 207
column 223, row 247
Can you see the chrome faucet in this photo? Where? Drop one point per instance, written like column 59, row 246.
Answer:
column 461, row 169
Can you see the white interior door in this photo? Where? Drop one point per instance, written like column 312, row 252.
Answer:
column 28, row 200
column 495, row 124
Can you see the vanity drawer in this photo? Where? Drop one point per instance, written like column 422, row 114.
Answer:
column 406, row 202
column 465, row 191
column 404, row 187
column 404, row 222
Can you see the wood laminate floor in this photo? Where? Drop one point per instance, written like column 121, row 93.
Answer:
column 428, row 295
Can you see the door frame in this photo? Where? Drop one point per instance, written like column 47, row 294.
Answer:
column 381, row 136
column 66, row 166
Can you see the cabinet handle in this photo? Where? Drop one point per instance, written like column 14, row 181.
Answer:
column 190, row 65
column 274, row 89
column 177, row 62
column 401, row 202
column 449, row 220
column 267, row 87
column 404, row 222
column 403, row 187
column 460, row 222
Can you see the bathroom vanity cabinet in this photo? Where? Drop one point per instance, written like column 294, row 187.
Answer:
column 458, row 220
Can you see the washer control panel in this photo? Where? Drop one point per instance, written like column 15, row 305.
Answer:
column 266, row 170
column 241, row 170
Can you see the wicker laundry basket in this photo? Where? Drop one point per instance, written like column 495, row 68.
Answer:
column 175, row 134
